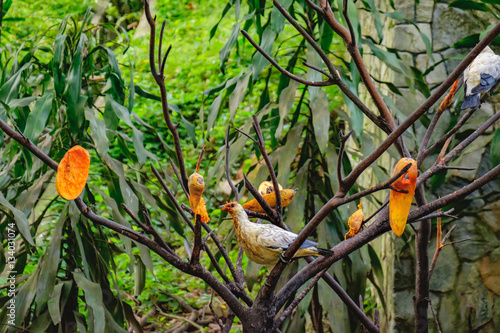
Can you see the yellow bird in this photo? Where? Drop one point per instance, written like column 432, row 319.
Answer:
column 270, row 198
column 401, row 195
column 264, row 243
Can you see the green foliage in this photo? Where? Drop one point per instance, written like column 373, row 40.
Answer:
column 81, row 83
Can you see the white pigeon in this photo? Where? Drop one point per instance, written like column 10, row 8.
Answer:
column 481, row 75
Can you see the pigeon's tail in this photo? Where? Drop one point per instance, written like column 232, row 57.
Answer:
column 471, row 101
column 324, row 252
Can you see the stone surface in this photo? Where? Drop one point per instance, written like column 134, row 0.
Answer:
column 446, row 269
column 408, row 101
column 482, row 240
column 489, row 268
column 468, row 278
column 489, row 214
column 449, row 316
column 407, row 37
column 438, row 74
column 424, row 10
column 452, row 24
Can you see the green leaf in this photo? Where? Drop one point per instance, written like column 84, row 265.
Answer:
column 53, row 303
column 38, row 117
column 471, row 5
column 277, row 19
column 288, row 152
column 297, row 206
column 50, row 263
column 24, row 298
column 97, row 132
column 495, row 149
column 321, row 120
column 9, row 90
column 75, row 99
column 138, row 138
column 467, row 42
column 190, row 128
column 213, row 112
column 356, row 116
column 226, row 49
column 146, row 257
column 378, row 24
column 258, row 60
column 286, row 100
column 21, row 221
column 238, row 95
column 224, row 12
column 93, row 299
column 396, row 16
column 58, row 64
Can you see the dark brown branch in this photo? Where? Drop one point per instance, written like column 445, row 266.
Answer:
column 317, row 69
column 175, row 261
column 450, row 133
column 184, row 188
column 422, row 238
column 337, row 201
column 163, row 92
column 375, row 213
column 442, row 161
column 377, row 228
column 335, row 77
column 245, row 134
column 148, row 228
column 349, row 40
column 195, row 256
column 343, row 139
column 228, row 173
column 205, row 226
column 288, row 311
column 283, row 70
column 349, row 24
column 272, row 174
column 263, row 203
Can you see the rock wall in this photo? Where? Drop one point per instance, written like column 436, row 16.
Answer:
column 465, row 286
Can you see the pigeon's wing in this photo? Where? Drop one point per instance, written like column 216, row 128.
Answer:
column 277, row 238
column 487, row 82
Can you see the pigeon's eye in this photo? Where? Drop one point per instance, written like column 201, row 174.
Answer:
column 232, row 205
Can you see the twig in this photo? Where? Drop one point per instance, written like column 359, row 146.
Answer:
column 159, row 78
column 228, row 173
column 283, row 70
column 343, row 139
column 195, row 257
column 434, row 315
column 148, row 228
column 375, row 213
column 245, row 134
column 199, row 160
column 184, row 188
column 272, row 174
column 217, row 319
column 297, row 300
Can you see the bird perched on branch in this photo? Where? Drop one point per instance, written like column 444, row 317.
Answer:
column 264, row 243
column 481, row 75
column 270, row 198
column 401, row 194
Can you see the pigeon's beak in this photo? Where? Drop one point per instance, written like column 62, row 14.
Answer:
column 222, row 207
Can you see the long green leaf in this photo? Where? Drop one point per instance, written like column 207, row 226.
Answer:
column 93, row 299
column 21, row 221
column 50, row 263
column 39, row 116
column 74, row 98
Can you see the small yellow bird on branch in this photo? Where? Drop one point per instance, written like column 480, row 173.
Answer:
column 264, row 243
